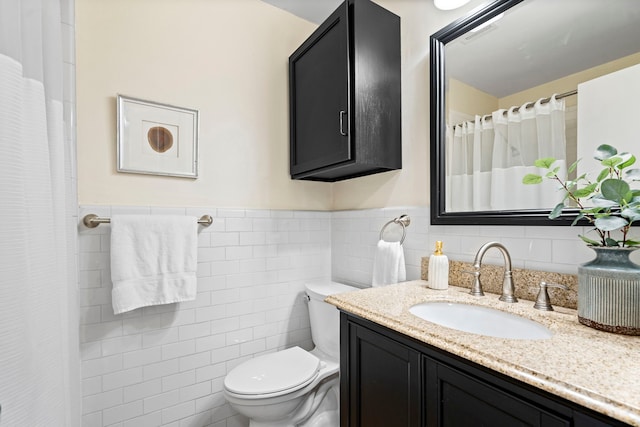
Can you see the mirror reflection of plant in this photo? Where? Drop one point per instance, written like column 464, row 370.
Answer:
column 614, row 205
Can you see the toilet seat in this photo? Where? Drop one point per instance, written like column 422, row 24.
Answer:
column 273, row 374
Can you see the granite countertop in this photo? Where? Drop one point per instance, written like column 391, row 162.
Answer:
column 598, row 370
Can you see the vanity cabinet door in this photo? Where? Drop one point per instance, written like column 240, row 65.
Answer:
column 384, row 379
column 455, row 398
column 344, row 96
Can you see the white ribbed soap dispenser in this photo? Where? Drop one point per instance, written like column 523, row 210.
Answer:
column 438, row 269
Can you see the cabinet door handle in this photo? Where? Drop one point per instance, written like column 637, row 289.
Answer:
column 342, row 132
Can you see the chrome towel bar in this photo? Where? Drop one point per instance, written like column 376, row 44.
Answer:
column 93, row 220
column 402, row 220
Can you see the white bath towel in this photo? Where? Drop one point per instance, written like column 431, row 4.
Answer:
column 388, row 264
column 153, row 260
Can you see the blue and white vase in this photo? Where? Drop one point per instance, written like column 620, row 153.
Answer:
column 609, row 291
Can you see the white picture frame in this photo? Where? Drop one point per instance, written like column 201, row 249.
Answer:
column 156, row 139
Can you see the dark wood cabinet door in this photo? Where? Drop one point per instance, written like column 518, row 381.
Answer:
column 385, row 378
column 319, row 97
column 456, row 399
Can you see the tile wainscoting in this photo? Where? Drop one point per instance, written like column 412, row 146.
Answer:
column 164, row 365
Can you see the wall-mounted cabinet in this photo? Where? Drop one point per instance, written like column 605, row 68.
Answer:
column 344, row 89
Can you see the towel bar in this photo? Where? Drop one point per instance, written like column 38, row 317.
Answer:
column 403, row 220
column 93, row 220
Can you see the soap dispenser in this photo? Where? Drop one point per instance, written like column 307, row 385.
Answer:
column 438, row 269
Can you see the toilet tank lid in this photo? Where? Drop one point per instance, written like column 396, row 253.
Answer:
column 285, row 370
column 321, row 290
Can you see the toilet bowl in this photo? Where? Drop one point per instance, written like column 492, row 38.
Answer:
column 294, row 387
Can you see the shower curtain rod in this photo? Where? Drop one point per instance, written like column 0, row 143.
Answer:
column 546, row 100
column 543, row 101
column 531, row 104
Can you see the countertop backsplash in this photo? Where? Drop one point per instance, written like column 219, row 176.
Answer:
column 526, row 281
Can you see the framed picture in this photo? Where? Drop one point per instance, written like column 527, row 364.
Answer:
column 157, row 139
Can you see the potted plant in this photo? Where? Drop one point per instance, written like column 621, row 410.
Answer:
column 609, row 285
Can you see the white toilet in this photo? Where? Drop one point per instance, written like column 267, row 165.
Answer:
column 294, row 387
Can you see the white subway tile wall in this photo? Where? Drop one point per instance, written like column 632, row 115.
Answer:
column 165, row 365
column 355, row 233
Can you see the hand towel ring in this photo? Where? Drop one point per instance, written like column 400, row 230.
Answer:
column 403, row 220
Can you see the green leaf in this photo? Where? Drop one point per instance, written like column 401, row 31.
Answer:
column 589, row 241
column 632, row 214
column 531, row 178
column 614, row 189
column 612, row 161
column 610, row 223
column 585, row 191
column 632, row 243
column 611, row 242
column 633, row 174
column 601, row 202
column 573, row 166
column 593, row 209
column 627, row 160
column 555, row 213
column 577, row 218
column 603, row 174
column 545, row 162
column 604, row 152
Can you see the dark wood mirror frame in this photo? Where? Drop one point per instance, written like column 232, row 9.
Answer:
column 439, row 216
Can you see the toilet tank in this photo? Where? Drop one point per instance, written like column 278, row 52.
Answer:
column 325, row 318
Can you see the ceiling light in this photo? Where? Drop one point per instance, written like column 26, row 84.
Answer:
column 449, row 4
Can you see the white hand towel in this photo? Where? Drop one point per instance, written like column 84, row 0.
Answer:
column 153, row 260
column 388, row 264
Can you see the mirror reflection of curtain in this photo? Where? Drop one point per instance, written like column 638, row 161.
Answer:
column 484, row 138
column 489, row 157
column 460, row 180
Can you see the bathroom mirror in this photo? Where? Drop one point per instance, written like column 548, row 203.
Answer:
column 509, row 56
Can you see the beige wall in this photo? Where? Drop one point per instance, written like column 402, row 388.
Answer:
column 468, row 100
column 228, row 59
column 225, row 58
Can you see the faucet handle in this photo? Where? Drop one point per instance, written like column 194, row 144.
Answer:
column 543, row 302
column 476, row 289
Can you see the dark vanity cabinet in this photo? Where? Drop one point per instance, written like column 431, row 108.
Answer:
column 382, row 380
column 388, row 379
column 344, row 96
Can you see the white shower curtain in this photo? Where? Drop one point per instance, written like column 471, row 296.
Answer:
column 484, row 138
column 459, row 195
column 487, row 158
column 35, row 287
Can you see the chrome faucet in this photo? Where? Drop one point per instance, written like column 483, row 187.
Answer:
column 508, row 289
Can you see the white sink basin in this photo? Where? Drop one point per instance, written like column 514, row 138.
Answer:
column 481, row 320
